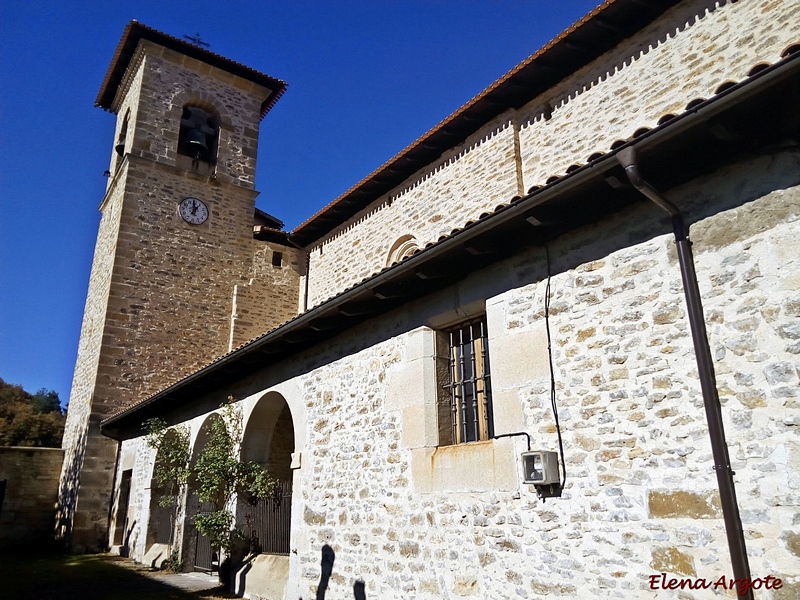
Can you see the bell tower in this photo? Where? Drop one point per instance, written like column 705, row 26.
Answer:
column 176, row 239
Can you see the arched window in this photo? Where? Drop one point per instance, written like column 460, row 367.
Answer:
column 199, row 134
column 405, row 246
column 119, row 147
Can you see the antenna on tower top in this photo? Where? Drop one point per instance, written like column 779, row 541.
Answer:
column 197, row 40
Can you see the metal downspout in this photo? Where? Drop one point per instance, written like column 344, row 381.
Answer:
column 705, row 367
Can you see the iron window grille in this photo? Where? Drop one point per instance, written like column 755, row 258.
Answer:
column 469, row 387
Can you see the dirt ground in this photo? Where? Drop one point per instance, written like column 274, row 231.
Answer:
column 26, row 576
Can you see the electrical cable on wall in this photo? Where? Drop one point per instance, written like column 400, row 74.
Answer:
column 552, row 371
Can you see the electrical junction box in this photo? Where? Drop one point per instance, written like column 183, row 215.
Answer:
column 540, row 467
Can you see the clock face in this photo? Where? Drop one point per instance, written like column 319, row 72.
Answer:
column 193, row 211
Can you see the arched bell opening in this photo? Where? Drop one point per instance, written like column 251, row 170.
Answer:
column 199, row 134
column 122, row 138
column 163, row 512
column 122, row 142
column 268, row 440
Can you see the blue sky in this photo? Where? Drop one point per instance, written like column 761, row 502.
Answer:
column 365, row 80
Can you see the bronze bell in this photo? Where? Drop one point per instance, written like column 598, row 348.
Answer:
column 194, row 144
column 120, row 145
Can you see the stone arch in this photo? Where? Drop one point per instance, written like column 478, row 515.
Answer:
column 268, row 437
column 269, row 440
column 404, row 246
column 197, row 553
column 207, row 102
column 198, row 137
column 197, row 108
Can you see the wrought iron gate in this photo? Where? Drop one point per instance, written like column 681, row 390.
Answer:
column 205, row 557
column 269, row 522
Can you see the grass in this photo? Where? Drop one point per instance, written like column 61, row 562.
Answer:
column 26, row 576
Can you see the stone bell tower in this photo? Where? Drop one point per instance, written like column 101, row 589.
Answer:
column 176, row 239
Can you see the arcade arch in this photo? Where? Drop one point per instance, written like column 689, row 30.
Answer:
column 198, row 554
column 269, row 440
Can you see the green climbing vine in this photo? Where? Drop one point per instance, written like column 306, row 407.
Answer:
column 220, row 475
column 217, row 475
column 171, row 470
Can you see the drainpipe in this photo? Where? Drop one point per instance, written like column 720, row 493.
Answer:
column 708, row 384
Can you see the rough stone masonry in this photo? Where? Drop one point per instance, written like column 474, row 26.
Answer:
column 411, row 517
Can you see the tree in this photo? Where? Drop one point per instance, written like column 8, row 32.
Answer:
column 46, row 401
column 30, row 419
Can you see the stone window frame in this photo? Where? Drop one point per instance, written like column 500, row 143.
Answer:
column 463, row 382
column 208, row 121
column 405, row 246
column 121, row 144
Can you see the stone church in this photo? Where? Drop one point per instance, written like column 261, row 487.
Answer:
column 481, row 371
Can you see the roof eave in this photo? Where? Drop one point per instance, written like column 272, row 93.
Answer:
column 134, row 32
column 586, row 40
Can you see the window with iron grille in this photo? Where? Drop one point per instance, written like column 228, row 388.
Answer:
column 467, row 388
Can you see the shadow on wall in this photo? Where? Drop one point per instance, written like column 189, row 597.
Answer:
column 326, row 565
column 125, row 548
column 68, row 490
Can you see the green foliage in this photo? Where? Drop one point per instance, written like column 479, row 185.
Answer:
column 257, row 483
column 171, row 470
column 220, row 475
column 217, row 475
column 174, row 564
column 218, row 527
column 46, row 401
column 30, row 419
column 216, row 470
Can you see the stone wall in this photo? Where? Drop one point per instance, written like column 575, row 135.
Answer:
column 683, row 56
column 27, row 513
column 699, row 44
column 160, row 82
column 79, row 423
column 464, row 183
column 271, row 295
column 412, row 519
column 641, row 494
column 171, row 297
